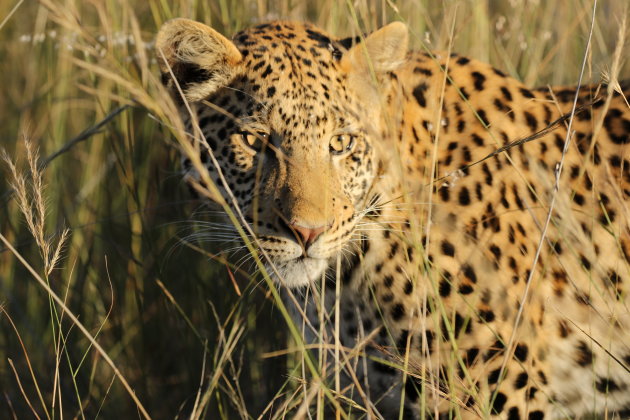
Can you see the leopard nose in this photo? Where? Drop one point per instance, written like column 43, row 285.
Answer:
column 307, row 235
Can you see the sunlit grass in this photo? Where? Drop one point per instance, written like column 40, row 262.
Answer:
column 188, row 330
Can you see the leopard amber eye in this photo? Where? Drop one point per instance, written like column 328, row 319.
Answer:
column 254, row 141
column 342, row 143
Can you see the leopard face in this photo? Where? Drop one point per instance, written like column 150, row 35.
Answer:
column 294, row 140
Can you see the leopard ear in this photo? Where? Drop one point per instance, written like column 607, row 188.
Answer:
column 201, row 59
column 382, row 51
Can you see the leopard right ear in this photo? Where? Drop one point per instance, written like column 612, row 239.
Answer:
column 381, row 51
column 201, row 59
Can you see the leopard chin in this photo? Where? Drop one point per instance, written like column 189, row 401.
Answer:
column 298, row 272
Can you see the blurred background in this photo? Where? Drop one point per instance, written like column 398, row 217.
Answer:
column 177, row 319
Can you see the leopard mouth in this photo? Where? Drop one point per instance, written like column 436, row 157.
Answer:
column 298, row 272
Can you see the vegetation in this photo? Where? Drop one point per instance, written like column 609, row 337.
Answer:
column 104, row 233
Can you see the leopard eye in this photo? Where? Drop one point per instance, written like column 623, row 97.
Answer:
column 342, row 143
column 254, row 141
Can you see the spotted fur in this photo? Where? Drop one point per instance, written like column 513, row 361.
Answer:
column 358, row 151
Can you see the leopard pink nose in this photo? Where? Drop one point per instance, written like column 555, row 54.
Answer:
column 307, row 235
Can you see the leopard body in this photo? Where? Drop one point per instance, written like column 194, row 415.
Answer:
column 364, row 174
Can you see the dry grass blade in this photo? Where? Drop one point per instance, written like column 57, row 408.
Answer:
column 11, row 13
column 222, row 358
column 535, row 136
column 83, row 136
column 28, row 361
column 10, row 404
column 28, row 401
column 194, row 414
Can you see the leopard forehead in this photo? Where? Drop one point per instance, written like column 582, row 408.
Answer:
column 293, row 71
column 300, row 39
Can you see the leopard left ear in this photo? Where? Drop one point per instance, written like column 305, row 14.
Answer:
column 201, row 59
column 382, row 51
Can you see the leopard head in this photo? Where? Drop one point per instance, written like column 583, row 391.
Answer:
column 294, row 120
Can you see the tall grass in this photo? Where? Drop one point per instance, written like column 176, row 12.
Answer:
column 103, row 224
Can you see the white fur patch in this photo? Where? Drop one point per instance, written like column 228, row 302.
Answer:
column 299, row 272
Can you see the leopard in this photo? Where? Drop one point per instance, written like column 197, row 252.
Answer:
column 471, row 233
